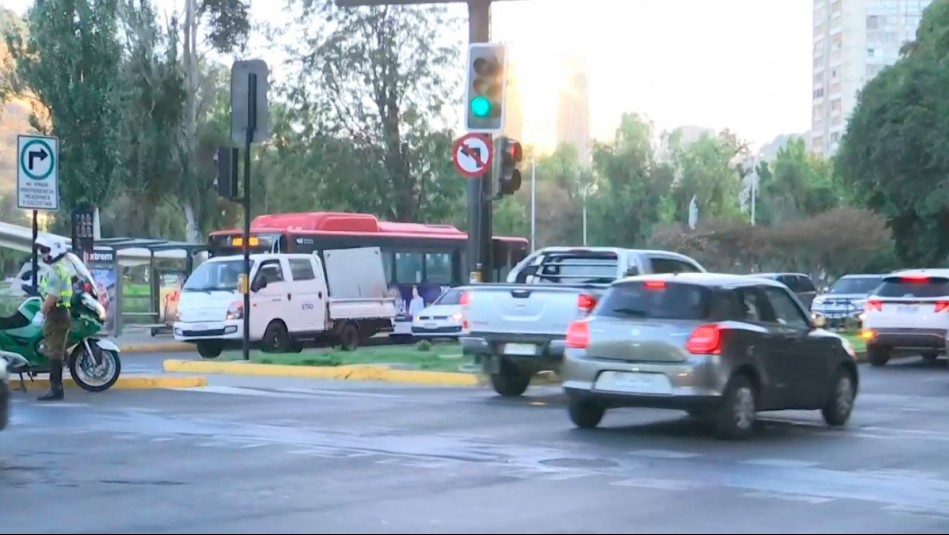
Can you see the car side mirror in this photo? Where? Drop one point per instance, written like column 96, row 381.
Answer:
column 819, row 322
column 526, row 272
column 259, row 284
column 631, row 272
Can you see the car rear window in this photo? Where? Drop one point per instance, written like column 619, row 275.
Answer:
column 576, row 267
column 656, row 299
column 855, row 285
column 913, row 287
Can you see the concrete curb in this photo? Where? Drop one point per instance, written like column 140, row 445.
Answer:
column 133, row 382
column 157, row 347
column 344, row 373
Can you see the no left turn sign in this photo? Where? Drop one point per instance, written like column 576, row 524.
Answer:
column 472, row 155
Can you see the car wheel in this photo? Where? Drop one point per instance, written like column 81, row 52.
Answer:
column 840, row 403
column 930, row 355
column 736, row 417
column 276, row 338
column 584, row 413
column 878, row 356
column 210, row 349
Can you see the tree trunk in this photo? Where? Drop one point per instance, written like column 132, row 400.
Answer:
column 190, row 60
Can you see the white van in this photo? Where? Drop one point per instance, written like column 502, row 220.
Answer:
column 293, row 297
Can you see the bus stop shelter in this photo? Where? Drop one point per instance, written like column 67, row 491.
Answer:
column 105, row 268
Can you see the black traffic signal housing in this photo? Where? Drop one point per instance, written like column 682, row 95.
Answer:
column 509, row 177
column 226, row 161
column 487, row 82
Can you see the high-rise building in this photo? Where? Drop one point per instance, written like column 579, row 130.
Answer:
column 573, row 113
column 853, row 41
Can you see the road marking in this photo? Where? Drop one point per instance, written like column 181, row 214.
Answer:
column 288, row 393
column 782, row 463
column 677, row 485
column 664, row 454
column 813, row 500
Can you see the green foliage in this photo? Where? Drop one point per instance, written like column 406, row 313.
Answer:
column 893, row 156
column 71, row 60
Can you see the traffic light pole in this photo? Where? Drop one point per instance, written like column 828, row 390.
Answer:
column 479, row 202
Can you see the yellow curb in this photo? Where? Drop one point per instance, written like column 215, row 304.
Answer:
column 158, row 347
column 351, row 373
column 145, row 382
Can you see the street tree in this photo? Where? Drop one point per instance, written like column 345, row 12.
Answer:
column 893, row 155
column 377, row 77
column 71, row 60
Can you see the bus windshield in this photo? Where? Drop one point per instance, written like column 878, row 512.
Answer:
column 217, row 276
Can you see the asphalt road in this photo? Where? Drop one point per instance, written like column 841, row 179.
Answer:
column 293, row 456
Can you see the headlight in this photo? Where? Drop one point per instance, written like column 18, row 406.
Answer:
column 456, row 316
column 235, row 311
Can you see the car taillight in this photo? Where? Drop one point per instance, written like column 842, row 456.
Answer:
column 942, row 306
column 578, row 334
column 914, row 278
column 655, row 285
column 705, row 340
column 874, row 304
column 586, row 303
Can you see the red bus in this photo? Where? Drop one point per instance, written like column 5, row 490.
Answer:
column 417, row 257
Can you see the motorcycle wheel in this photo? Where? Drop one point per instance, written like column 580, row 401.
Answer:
column 88, row 376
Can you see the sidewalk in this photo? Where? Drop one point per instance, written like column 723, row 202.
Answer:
column 139, row 340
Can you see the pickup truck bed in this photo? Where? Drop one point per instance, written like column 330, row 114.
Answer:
column 517, row 329
column 360, row 308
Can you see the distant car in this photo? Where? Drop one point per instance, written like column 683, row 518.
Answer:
column 846, row 299
column 799, row 283
column 719, row 346
column 908, row 311
column 441, row 319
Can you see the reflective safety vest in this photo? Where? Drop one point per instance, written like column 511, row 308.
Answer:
column 65, row 277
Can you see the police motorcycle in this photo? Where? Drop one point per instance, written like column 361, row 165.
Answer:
column 93, row 362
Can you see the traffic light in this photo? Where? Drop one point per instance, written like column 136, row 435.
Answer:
column 509, row 177
column 226, row 161
column 487, row 81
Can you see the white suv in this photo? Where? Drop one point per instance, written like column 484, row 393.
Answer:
column 908, row 311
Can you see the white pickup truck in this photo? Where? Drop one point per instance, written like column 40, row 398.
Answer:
column 338, row 294
column 517, row 329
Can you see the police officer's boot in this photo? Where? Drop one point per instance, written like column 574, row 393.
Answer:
column 55, row 392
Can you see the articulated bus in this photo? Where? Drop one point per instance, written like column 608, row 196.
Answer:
column 421, row 260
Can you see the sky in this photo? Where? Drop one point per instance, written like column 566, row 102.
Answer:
column 740, row 64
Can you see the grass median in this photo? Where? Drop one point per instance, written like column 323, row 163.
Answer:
column 443, row 357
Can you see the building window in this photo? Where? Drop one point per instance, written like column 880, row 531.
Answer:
column 873, row 22
column 835, row 137
column 819, row 92
column 871, row 52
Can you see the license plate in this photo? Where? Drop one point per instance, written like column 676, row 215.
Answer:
column 906, row 309
column 200, row 327
column 430, row 326
column 634, row 383
column 520, row 349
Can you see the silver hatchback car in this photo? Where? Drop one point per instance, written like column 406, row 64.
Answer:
column 719, row 346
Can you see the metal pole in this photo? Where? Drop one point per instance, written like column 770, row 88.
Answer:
column 533, row 205
column 36, row 264
column 585, row 191
column 754, row 195
column 479, row 208
column 248, row 140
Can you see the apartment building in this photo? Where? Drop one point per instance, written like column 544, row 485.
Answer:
column 853, row 41
column 573, row 113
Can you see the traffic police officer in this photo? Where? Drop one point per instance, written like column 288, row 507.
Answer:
column 57, row 291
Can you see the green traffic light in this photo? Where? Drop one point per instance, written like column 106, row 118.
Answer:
column 480, row 106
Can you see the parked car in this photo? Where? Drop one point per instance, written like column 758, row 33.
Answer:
column 516, row 329
column 799, row 283
column 441, row 319
column 909, row 310
column 722, row 347
column 846, row 299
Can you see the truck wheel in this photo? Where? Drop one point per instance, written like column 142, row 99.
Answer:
column 878, row 356
column 511, row 381
column 276, row 338
column 930, row 355
column 349, row 337
column 210, row 349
